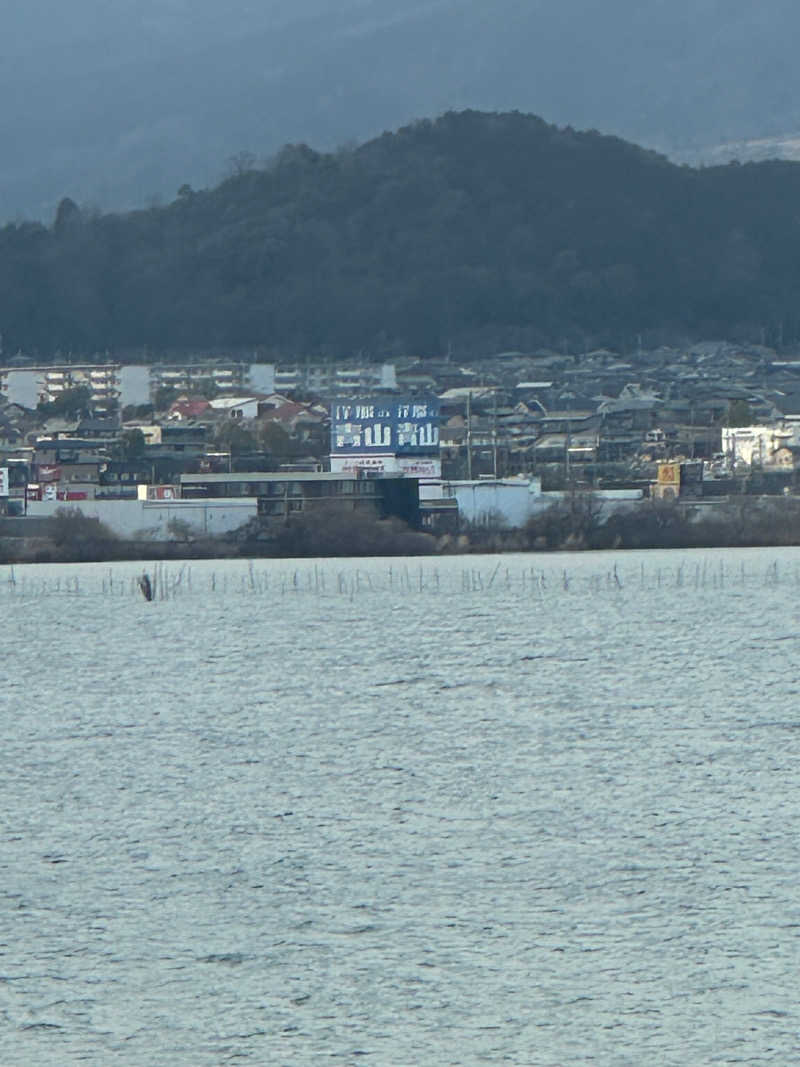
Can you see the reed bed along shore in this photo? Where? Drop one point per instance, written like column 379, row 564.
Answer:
column 250, row 578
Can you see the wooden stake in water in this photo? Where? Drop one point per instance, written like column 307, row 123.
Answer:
column 146, row 586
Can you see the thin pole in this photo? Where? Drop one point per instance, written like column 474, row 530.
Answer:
column 469, row 436
column 494, row 435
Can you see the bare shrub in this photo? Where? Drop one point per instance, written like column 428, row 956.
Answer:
column 80, row 537
column 573, row 522
column 336, row 531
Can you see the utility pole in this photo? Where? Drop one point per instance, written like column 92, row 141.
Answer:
column 494, row 435
column 469, row 436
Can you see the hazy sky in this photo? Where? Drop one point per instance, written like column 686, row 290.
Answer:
column 114, row 102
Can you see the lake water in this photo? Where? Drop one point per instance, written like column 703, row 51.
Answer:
column 476, row 810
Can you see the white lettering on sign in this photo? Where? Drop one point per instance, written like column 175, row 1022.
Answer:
column 379, row 436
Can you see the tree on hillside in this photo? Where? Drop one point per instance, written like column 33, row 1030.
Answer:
column 137, row 411
column 477, row 231
column 738, row 414
column 68, row 215
column 274, row 439
column 70, row 404
column 131, row 444
column 235, row 438
column 165, row 397
column 241, row 162
column 207, row 388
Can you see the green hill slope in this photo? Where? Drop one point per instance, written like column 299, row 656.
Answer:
column 477, row 230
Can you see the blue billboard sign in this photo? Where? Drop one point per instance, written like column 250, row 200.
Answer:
column 402, row 427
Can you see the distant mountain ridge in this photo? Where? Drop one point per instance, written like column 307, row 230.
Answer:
column 114, row 102
column 475, row 232
column 757, row 150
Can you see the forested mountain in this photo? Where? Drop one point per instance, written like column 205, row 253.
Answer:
column 114, row 101
column 478, row 231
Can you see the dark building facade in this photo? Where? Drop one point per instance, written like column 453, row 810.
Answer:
column 283, row 494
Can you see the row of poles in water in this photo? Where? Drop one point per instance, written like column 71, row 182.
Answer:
column 160, row 582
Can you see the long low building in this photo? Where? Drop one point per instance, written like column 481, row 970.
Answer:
column 210, row 505
column 158, row 520
column 280, row 494
column 511, row 501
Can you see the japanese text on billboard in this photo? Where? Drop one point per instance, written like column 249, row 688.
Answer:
column 408, row 427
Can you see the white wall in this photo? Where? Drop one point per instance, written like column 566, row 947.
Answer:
column 388, row 376
column 235, row 407
column 262, row 377
column 150, row 518
column 515, row 500
column 134, row 385
column 23, row 387
column 511, row 499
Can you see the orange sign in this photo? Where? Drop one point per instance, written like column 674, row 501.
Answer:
column 669, row 473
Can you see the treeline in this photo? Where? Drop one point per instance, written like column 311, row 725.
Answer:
column 69, row 536
column 475, row 231
column 579, row 522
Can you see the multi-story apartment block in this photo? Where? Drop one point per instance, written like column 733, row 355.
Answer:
column 329, row 381
column 125, row 384
column 29, row 386
column 136, row 384
column 229, row 377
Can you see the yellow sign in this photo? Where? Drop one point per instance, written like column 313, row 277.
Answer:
column 669, row 473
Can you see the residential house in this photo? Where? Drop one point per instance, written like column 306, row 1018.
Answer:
column 235, row 407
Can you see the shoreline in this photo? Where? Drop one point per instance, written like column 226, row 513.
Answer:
column 574, row 525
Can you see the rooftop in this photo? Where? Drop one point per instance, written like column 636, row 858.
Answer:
column 270, row 476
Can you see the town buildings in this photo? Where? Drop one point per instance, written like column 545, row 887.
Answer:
column 513, row 427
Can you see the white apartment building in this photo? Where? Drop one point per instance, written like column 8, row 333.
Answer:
column 130, row 383
column 329, row 380
column 138, row 383
column 30, row 386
